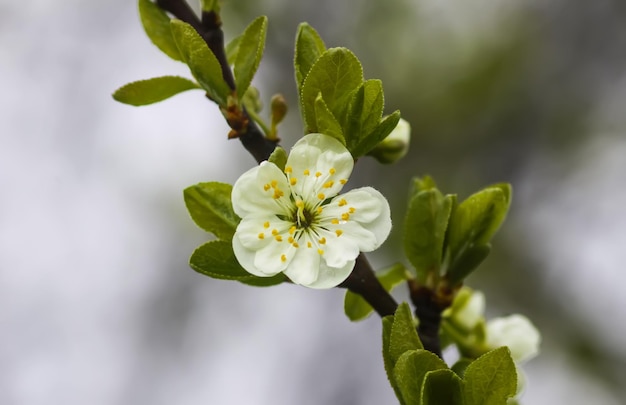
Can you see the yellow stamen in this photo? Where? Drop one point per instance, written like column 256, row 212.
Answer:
column 329, row 184
column 278, row 238
column 322, row 241
column 261, row 235
column 351, row 210
column 307, row 172
column 321, row 196
column 345, row 216
column 283, row 258
column 266, row 225
column 295, row 244
column 274, row 231
column 288, row 169
column 278, row 193
column 332, row 171
column 274, row 183
column 266, row 187
column 339, row 232
column 299, row 203
column 292, row 230
column 334, row 221
column 293, row 181
column 309, row 245
column 290, row 240
column 343, row 181
column 320, row 251
column 319, row 210
column 318, row 174
column 342, row 202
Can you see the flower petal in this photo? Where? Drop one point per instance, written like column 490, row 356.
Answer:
column 246, row 257
column 339, row 250
column 330, row 277
column 305, row 266
column 362, row 214
column 256, row 231
column 255, row 191
column 320, row 164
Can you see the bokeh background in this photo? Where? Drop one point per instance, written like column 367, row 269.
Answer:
column 97, row 303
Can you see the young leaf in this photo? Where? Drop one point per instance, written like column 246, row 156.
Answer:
column 467, row 262
column 309, row 47
column 231, row 49
column 387, row 361
column 210, row 207
column 472, row 225
column 442, row 387
column 491, row 379
column 336, row 74
column 425, row 227
column 403, row 335
column 157, row 26
column 379, row 133
column 249, row 54
column 461, row 365
column 364, row 112
column 216, row 259
column 203, row 64
column 153, row 90
column 356, row 308
column 326, row 123
column 410, row 371
column 279, row 157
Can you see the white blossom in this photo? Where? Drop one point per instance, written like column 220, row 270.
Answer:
column 516, row 332
column 296, row 222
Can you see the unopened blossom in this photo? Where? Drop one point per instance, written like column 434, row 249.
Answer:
column 468, row 309
column 395, row 146
column 295, row 221
column 516, row 332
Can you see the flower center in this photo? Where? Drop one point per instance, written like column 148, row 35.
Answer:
column 303, row 217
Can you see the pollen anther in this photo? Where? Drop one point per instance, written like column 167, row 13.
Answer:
column 339, row 232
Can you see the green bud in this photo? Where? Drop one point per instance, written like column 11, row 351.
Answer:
column 395, row 145
column 279, row 109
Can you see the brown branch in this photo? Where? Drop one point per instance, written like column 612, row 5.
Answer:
column 363, row 281
column 210, row 29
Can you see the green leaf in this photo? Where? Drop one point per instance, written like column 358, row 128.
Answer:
column 210, row 206
column 203, row 64
column 442, row 387
column 403, row 334
column 356, row 308
column 309, row 47
column 425, row 227
column 472, row 225
column 387, row 361
column 421, row 184
column 143, row 92
column 279, row 157
column 364, row 112
column 491, row 379
column 326, row 123
column 461, row 365
column 467, row 262
column 216, row 259
column 410, row 371
column 336, row 74
column 231, row 49
column 379, row 133
column 157, row 26
column 249, row 54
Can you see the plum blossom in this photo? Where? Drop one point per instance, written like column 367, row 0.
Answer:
column 295, row 221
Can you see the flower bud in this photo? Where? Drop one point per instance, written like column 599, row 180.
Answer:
column 279, row 108
column 468, row 309
column 517, row 333
column 395, row 145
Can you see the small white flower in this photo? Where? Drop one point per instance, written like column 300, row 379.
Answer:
column 471, row 311
column 294, row 221
column 395, row 146
column 516, row 332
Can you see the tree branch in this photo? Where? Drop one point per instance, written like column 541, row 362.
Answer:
column 210, row 29
column 363, row 281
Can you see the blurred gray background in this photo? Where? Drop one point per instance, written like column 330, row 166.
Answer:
column 97, row 303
